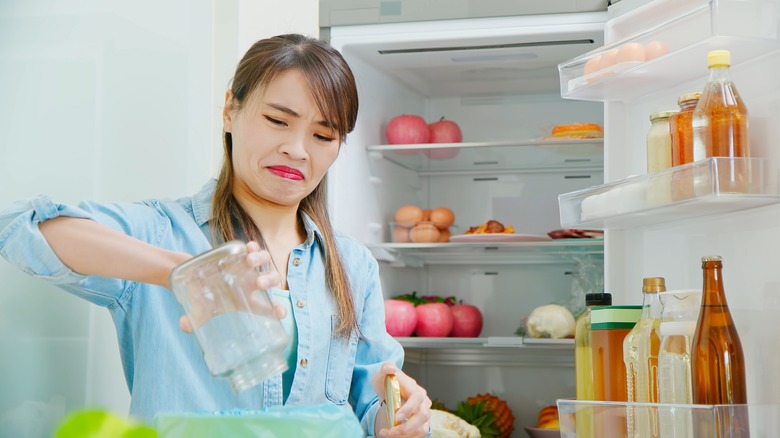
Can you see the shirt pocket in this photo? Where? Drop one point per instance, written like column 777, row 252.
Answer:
column 341, row 362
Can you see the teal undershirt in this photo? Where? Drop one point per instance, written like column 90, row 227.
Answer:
column 282, row 297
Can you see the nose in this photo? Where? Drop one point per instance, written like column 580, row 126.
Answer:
column 294, row 146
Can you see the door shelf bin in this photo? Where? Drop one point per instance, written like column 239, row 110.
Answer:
column 714, row 185
column 684, row 32
column 605, row 418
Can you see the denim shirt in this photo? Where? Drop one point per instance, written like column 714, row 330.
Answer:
column 164, row 366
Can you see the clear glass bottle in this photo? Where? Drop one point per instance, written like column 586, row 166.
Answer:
column 659, row 157
column 583, row 361
column 680, row 124
column 717, row 360
column 659, row 142
column 720, row 125
column 640, row 355
column 681, row 127
column 678, row 324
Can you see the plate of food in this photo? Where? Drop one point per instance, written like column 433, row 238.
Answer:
column 494, row 231
column 499, row 237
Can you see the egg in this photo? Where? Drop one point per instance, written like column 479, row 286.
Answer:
column 631, row 52
column 400, row 234
column 442, row 217
column 592, row 65
column 408, row 215
column 608, row 59
column 445, row 235
column 426, row 215
column 655, row 48
column 424, row 233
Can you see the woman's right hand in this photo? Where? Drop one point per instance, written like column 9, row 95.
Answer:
column 255, row 258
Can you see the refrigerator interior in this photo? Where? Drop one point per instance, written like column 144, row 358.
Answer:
column 497, row 78
column 669, row 241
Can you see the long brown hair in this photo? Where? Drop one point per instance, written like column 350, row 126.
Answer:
column 333, row 87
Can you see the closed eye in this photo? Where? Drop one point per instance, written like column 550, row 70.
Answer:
column 275, row 121
column 324, row 137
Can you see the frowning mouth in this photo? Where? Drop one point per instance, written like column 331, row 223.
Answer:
column 286, row 172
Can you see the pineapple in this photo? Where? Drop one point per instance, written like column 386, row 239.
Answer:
column 504, row 420
column 477, row 415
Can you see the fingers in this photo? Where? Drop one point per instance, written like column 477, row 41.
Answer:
column 279, row 311
column 184, row 324
column 415, row 413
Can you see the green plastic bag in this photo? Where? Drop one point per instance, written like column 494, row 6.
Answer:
column 321, row 421
column 94, row 423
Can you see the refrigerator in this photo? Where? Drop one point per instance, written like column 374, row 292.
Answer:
column 497, row 78
column 507, row 80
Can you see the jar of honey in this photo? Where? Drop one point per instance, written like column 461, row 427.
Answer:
column 609, row 327
column 681, row 126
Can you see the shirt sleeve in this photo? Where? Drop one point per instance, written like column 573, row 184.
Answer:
column 23, row 245
column 376, row 346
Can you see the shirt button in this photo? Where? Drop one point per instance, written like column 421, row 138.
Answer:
column 300, row 303
column 304, row 362
column 296, row 261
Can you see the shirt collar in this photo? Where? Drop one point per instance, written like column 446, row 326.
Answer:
column 201, row 211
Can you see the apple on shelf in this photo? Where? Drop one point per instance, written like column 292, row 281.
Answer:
column 434, row 317
column 444, row 131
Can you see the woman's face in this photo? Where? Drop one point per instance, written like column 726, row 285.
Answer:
column 282, row 145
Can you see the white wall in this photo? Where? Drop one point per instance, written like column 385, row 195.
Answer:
column 104, row 100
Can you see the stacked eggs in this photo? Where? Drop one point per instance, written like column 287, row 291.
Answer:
column 414, row 224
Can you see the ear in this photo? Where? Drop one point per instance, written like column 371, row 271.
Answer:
column 228, row 112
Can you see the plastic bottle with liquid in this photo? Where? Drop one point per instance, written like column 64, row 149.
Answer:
column 717, row 360
column 609, row 327
column 640, row 355
column 678, row 324
column 720, row 126
column 583, row 361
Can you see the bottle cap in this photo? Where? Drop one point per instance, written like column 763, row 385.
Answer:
column 718, row 58
column 598, row 299
column 660, row 115
column 711, row 259
column 687, row 97
column 653, row 284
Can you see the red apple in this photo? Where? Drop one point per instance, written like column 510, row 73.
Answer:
column 434, row 320
column 400, row 318
column 407, row 129
column 444, row 131
column 466, row 321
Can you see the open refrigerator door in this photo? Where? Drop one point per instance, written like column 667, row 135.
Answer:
column 648, row 237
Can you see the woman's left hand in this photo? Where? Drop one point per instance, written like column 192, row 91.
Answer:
column 414, row 415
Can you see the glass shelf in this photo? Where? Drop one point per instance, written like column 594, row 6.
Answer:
column 603, row 418
column 739, row 26
column 711, row 186
column 486, row 342
column 421, row 254
column 535, row 155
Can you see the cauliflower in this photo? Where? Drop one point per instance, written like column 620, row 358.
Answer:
column 550, row 321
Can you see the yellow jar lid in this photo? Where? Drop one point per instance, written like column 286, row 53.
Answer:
column 653, row 284
column 660, row 115
column 719, row 58
column 688, row 97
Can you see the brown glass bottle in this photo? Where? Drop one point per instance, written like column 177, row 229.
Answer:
column 717, row 361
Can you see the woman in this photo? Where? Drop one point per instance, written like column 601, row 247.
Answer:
column 291, row 104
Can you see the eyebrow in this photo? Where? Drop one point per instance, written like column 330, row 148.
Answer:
column 289, row 111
